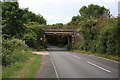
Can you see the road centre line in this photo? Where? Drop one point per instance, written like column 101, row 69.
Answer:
column 98, row 66
column 76, row 57
column 55, row 69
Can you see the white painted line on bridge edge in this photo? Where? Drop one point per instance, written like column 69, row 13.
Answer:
column 76, row 57
column 55, row 69
column 98, row 66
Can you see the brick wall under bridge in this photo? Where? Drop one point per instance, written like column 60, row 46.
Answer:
column 73, row 36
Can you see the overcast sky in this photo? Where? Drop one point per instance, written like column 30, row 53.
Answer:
column 61, row 11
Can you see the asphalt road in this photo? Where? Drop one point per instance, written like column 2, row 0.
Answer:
column 76, row 65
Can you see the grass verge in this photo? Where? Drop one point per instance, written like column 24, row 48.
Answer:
column 111, row 57
column 25, row 69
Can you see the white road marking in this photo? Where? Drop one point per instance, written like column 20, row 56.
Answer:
column 55, row 69
column 98, row 66
column 67, row 53
column 77, row 57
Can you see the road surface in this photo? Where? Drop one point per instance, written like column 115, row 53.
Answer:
column 76, row 65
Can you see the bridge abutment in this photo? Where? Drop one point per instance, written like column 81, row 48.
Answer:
column 70, row 41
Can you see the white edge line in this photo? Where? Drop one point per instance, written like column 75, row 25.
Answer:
column 102, row 58
column 67, row 53
column 98, row 66
column 76, row 57
column 55, row 69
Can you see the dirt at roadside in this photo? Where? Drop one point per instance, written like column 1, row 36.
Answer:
column 41, row 53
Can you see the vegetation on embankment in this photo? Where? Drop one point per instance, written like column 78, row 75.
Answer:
column 22, row 24
column 25, row 69
column 21, row 31
column 100, row 39
column 100, row 32
column 18, row 61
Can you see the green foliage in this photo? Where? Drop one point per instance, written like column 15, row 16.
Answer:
column 26, row 69
column 78, row 46
column 67, row 47
column 13, row 50
column 94, row 46
column 78, row 18
column 30, row 37
column 55, row 26
column 33, row 36
column 100, row 38
column 94, row 11
column 90, row 12
column 12, row 19
column 108, row 39
column 21, row 23
column 32, row 17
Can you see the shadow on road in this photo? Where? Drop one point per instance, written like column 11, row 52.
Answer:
column 55, row 48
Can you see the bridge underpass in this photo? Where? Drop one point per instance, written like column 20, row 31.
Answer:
column 71, row 35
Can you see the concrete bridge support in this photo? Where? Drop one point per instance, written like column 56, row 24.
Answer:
column 73, row 41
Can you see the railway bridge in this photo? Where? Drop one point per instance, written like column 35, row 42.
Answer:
column 70, row 33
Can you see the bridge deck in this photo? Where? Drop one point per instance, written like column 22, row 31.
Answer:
column 60, row 30
column 66, row 33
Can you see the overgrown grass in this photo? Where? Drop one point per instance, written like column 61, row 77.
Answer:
column 26, row 69
column 111, row 57
column 34, row 66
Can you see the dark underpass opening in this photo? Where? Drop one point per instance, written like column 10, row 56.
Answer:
column 60, row 38
column 57, row 40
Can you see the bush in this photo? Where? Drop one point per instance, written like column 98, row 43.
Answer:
column 101, row 38
column 40, row 47
column 93, row 46
column 30, row 37
column 67, row 47
column 108, row 39
column 79, row 46
column 33, row 35
column 14, row 50
column 76, row 47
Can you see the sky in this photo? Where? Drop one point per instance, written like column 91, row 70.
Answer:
column 62, row 11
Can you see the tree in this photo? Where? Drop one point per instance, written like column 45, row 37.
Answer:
column 32, row 17
column 12, row 19
column 94, row 11
column 77, row 18
column 83, row 11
